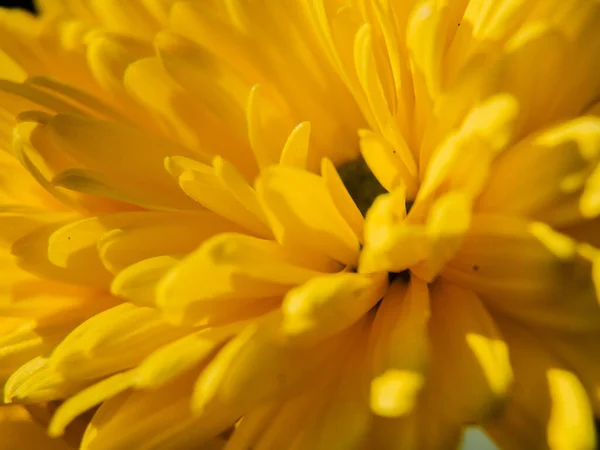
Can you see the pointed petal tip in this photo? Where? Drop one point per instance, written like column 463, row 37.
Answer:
column 394, row 393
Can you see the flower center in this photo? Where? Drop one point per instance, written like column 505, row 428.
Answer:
column 364, row 188
column 361, row 183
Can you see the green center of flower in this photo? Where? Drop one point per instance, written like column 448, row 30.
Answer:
column 361, row 183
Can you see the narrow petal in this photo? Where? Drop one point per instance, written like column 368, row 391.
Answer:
column 547, row 403
column 116, row 339
column 342, row 199
column 471, row 370
column 464, row 159
column 19, row 430
column 552, row 49
column 386, row 231
column 178, row 357
column 153, row 420
column 580, row 352
column 448, row 222
column 129, row 19
column 527, row 270
column 295, row 150
column 35, row 381
column 371, row 84
column 328, row 304
column 229, row 267
column 385, row 165
column 222, row 190
column 39, row 156
column 87, row 399
column 138, row 282
column 134, row 242
column 257, row 366
column 338, row 416
column 395, row 244
column 31, row 253
column 109, row 149
column 543, row 192
column 399, row 349
column 302, row 214
column 188, row 120
column 251, row 428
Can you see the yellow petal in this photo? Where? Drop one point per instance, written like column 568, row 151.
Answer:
column 542, row 191
column 580, row 353
column 344, row 407
column 328, row 304
column 386, row 232
column 16, row 224
column 571, row 412
column 108, row 57
column 31, row 252
column 394, row 392
column 295, row 150
column 399, row 349
column 35, row 381
column 130, row 243
column 251, row 428
column 87, row 244
column 425, row 40
column 30, row 97
column 109, row 149
column 126, row 18
column 233, row 180
column 547, row 405
column 463, row 160
column 20, row 430
column 261, row 121
column 87, row 399
column 11, row 69
column 222, row 190
column 471, row 370
column 527, row 271
column 551, row 49
column 447, row 223
column 211, row 80
column 302, row 214
column 138, row 282
column 32, row 145
column 51, row 304
column 385, row 165
column 95, row 184
column 16, row 186
column 84, row 101
column 177, row 357
column 114, row 340
column 369, row 79
column 255, row 367
column 191, row 122
column 74, row 246
column 228, row 267
column 153, row 420
column 342, row 199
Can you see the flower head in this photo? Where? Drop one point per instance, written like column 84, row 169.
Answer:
column 302, row 224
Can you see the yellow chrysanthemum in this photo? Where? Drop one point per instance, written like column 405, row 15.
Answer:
column 300, row 224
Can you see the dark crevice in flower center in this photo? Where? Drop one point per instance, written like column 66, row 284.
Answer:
column 403, row 276
column 361, row 183
column 364, row 188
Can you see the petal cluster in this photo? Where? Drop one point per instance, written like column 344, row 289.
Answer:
column 300, row 224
